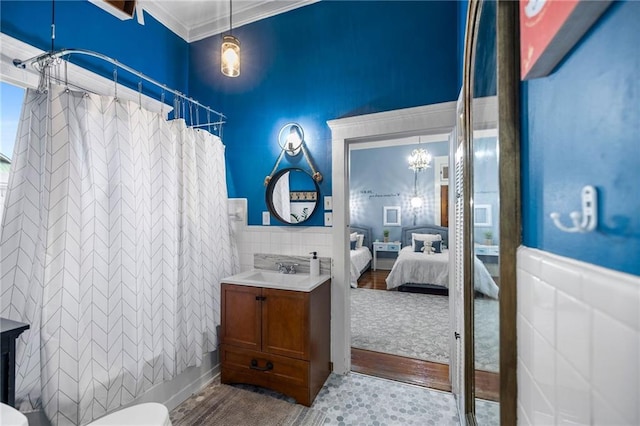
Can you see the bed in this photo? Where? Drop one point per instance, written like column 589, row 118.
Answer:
column 416, row 270
column 360, row 257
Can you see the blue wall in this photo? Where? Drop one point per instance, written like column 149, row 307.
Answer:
column 324, row 61
column 463, row 5
column 381, row 177
column 580, row 126
column 151, row 48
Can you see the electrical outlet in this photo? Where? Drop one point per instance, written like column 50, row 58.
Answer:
column 328, row 202
column 266, row 219
column 328, row 219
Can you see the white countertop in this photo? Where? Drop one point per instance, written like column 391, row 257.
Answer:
column 277, row 280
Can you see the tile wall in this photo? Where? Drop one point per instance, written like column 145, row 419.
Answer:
column 287, row 240
column 578, row 342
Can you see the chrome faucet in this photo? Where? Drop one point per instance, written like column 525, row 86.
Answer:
column 286, row 269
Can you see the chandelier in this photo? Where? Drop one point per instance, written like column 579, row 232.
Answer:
column 419, row 160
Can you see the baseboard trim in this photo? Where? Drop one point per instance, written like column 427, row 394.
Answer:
column 171, row 393
column 187, row 383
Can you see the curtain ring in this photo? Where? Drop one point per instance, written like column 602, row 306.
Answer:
column 115, row 83
column 162, row 102
column 176, row 107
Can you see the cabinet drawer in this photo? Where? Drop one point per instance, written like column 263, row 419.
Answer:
column 282, row 370
column 386, row 246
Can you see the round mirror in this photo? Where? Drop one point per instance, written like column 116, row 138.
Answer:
column 292, row 196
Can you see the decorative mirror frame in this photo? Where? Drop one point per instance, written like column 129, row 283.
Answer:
column 508, row 74
column 269, row 195
column 387, row 216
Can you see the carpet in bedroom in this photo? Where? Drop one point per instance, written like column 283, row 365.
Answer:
column 417, row 326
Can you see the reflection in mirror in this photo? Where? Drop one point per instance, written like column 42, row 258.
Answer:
column 485, row 238
column 292, row 196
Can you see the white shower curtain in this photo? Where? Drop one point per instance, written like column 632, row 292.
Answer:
column 114, row 240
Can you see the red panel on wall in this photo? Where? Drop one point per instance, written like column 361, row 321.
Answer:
column 550, row 28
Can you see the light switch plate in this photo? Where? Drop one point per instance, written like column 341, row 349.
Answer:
column 266, row 218
column 328, row 202
column 328, row 219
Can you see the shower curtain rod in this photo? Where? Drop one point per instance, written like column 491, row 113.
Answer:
column 50, row 57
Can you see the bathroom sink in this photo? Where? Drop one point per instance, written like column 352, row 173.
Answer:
column 268, row 276
column 274, row 279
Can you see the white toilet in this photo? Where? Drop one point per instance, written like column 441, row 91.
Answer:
column 147, row 414
column 9, row 416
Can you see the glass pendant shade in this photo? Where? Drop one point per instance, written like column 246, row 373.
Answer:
column 230, row 56
column 416, row 202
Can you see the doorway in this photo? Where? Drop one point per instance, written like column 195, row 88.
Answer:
column 398, row 333
column 426, row 120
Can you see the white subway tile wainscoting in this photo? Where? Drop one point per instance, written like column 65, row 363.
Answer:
column 286, row 240
column 578, row 342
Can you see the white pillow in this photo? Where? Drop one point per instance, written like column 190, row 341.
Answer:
column 360, row 239
column 424, row 237
column 353, row 236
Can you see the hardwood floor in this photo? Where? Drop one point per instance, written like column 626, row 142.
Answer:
column 408, row 370
column 373, row 279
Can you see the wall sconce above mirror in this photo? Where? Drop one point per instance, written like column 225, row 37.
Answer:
column 291, row 141
column 292, row 196
column 290, row 138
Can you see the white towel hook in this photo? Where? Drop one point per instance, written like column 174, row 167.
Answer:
column 585, row 221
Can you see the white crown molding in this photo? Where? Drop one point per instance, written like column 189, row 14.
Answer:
column 244, row 13
column 257, row 12
column 158, row 10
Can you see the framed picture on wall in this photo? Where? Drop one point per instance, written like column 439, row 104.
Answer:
column 391, row 216
column 442, row 168
column 550, row 28
column 482, row 215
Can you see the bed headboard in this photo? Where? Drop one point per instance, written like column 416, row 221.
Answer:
column 367, row 232
column 424, row 229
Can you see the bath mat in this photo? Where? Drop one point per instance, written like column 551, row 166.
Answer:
column 220, row 404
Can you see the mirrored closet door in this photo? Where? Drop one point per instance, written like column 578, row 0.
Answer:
column 490, row 211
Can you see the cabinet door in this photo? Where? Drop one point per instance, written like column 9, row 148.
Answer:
column 285, row 323
column 240, row 311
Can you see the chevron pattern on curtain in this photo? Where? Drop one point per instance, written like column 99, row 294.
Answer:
column 114, row 240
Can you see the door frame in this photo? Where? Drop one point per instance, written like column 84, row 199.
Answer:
column 423, row 120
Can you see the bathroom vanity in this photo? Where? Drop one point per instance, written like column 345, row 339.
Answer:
column 275, row 332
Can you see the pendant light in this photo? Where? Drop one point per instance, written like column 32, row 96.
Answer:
column 230, row 52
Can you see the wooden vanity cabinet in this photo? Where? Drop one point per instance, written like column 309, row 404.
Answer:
column 277, row 339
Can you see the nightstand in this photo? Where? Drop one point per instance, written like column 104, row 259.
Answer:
column 389, row 247
column 489, row 255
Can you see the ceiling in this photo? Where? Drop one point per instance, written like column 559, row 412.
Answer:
column 197, row 19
